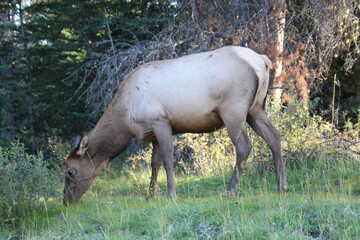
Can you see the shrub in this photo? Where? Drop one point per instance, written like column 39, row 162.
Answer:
column 25, row 183
column 55, row 152
column 204, row 153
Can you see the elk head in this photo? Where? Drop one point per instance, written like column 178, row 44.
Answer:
column 81, row 169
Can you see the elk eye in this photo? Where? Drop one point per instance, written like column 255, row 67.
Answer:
column 70, row 172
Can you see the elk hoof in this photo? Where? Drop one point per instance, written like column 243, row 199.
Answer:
column 231, row 193
column 282, row 189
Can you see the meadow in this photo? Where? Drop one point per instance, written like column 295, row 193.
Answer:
column 323, row 203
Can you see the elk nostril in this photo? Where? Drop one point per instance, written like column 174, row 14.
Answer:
column 70, row 172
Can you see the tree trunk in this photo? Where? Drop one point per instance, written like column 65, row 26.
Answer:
column 277, row 13
column 11, row 122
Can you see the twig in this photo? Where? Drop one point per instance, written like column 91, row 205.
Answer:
column 108, row 30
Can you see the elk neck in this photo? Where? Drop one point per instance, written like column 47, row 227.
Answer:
column 109, row 138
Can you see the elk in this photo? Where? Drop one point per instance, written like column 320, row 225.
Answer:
column 198, row 93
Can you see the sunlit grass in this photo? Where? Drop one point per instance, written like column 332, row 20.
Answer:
column 320, row 205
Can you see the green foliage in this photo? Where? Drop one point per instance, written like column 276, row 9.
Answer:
column 26, row 184
column 55, row 152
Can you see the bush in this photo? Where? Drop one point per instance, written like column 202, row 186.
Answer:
column 25, row 183
column 55, row 151
column 211, row 153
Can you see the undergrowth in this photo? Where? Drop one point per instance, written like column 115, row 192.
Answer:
column 26, row 184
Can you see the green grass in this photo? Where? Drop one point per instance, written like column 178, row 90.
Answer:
column 322, row 168
column 323, row 203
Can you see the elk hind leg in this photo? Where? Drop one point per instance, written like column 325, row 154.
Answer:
column 156, row 161
column 259, row 121
column 163, row 134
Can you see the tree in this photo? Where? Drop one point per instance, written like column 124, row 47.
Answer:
column 12, row 85
column 29, row 76
column 7, row 108
column 277, row 13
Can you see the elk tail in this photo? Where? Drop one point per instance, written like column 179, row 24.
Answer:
column 263, row 76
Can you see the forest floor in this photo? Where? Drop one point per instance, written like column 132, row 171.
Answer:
column 323, row 203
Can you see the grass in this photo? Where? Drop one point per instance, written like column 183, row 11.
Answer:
column 322, row 168
column 323, row 203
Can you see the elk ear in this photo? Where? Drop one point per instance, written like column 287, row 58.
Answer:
column 83, row 146
column 75, row 141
